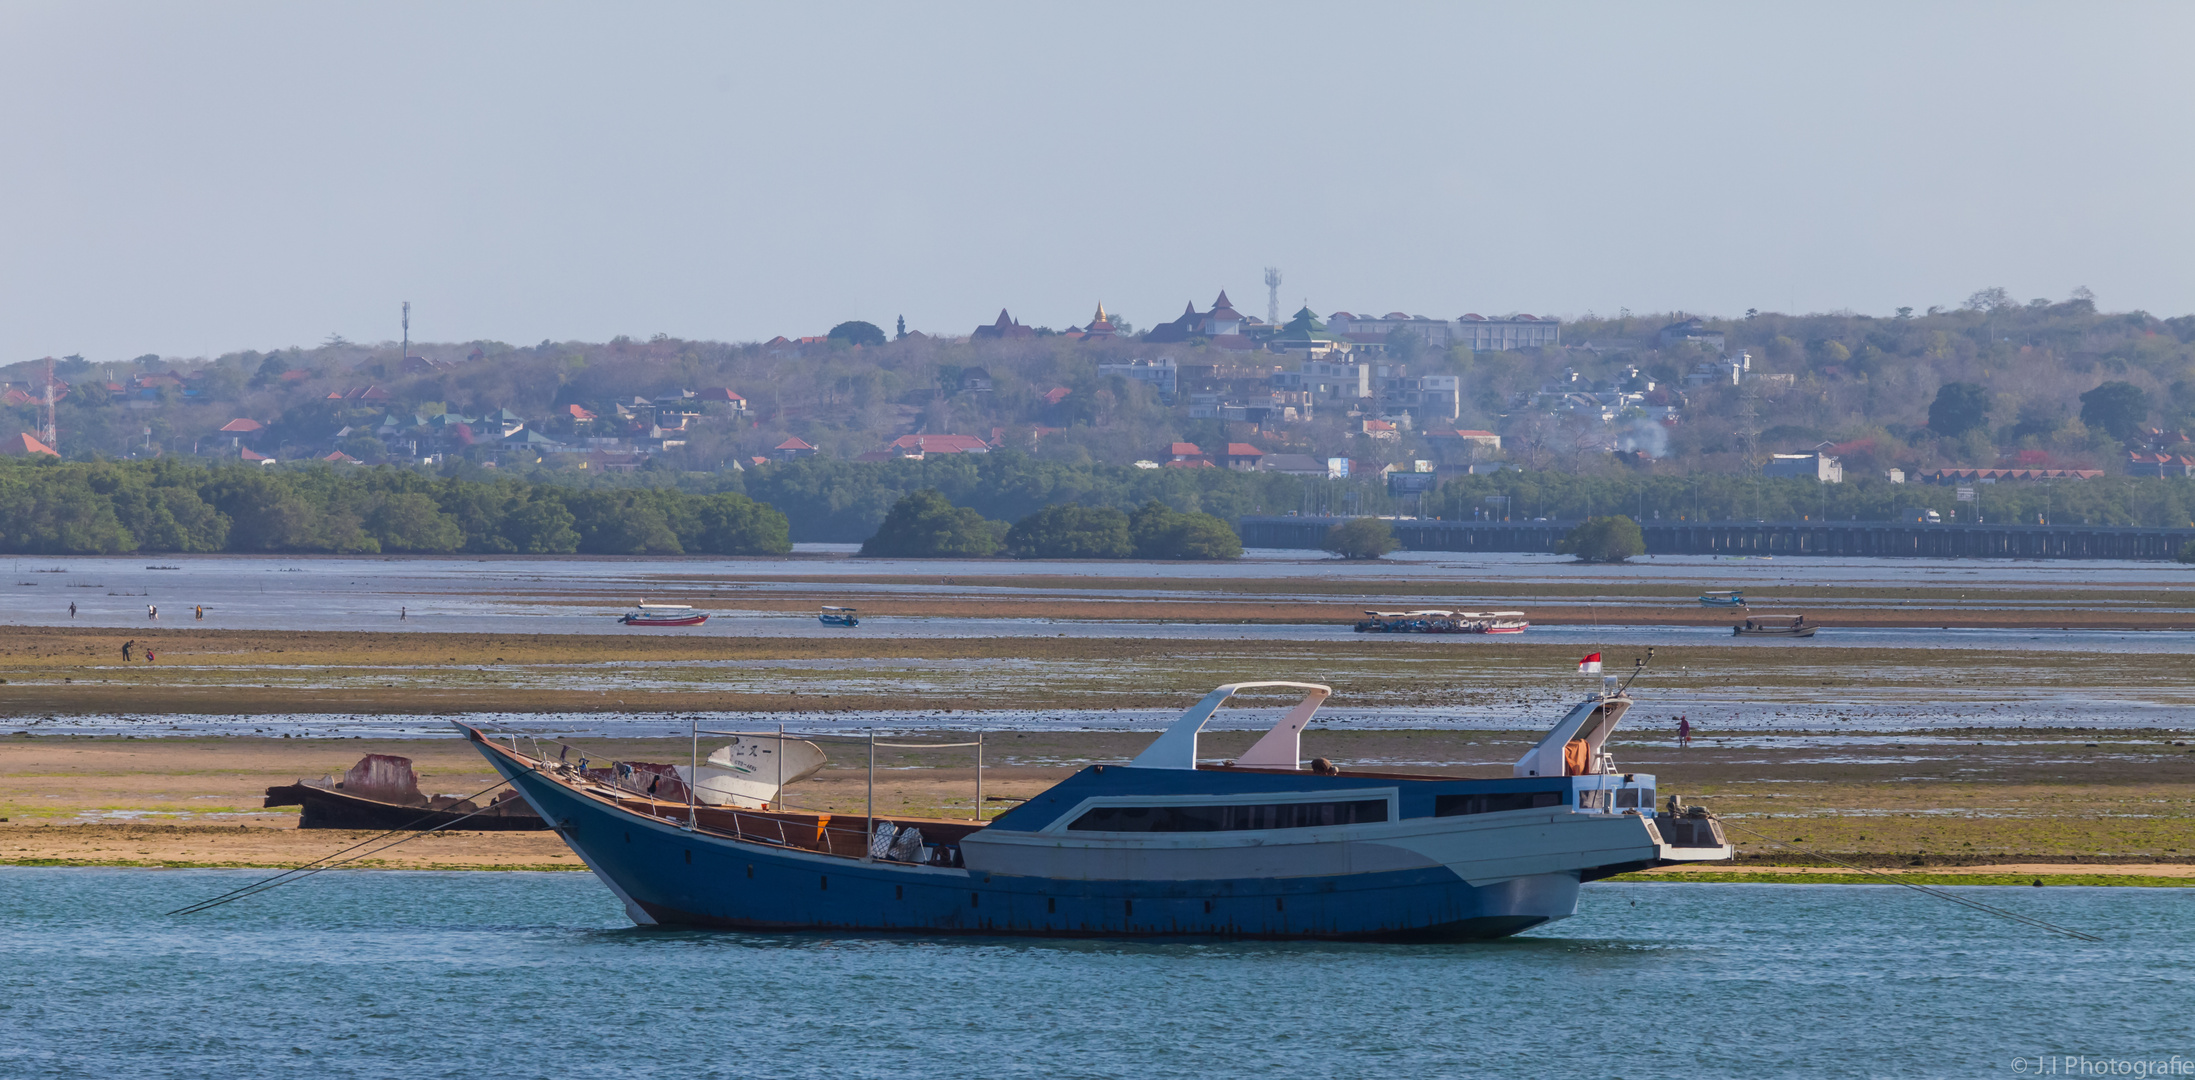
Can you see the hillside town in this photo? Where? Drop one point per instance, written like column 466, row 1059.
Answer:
column 1403, row 398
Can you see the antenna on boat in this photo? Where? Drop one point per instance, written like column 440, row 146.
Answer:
column 1638, row 668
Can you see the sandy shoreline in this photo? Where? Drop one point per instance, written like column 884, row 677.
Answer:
column 1941, row 806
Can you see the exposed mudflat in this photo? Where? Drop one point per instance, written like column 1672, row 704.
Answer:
column 1884, row 800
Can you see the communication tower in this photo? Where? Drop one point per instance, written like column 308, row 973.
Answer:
column 1272, row 295
column 48, row 432
column 407, row 348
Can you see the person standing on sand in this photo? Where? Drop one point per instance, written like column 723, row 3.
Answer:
column 1684, row 731
column 126, row 647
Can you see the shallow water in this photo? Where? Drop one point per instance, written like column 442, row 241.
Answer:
column 427, row 975
column 512, row 595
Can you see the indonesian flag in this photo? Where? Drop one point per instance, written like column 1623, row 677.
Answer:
column 1591, row 665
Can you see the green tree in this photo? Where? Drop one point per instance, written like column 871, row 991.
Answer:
column 1959, row 407
column 732, row 524
column 924, row 525
column 1363, row 538
column 856, row 332
column 1071, row 532
column 411, row 522
column 1159, row 531
column 539, row 527
column 2120, row 408
column 1604, row 539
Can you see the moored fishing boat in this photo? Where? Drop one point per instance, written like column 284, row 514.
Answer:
column 1407, row 622
column 1723, row 598
column 1443, row 622
column 1492, row 622
column 648, row 614
column 382, row 792
column 838, row 616
column 1775, row 626
column 1167, row 844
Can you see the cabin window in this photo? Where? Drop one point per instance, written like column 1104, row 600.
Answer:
column 1627, row 797
column 1596, row 799
column 1229, row 818
column 1051, row 905
column 1490, row 802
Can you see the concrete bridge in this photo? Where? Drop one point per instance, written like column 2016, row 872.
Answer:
column 1875, row 538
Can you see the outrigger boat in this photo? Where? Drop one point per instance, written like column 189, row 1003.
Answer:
column 664, row 615
column 1405, row 622
column 838, row 616
column 1723, row 598
column 1443, row 622
column 382, row 792
column 1494, row 622
column 1775, row 626
column 1165, row 845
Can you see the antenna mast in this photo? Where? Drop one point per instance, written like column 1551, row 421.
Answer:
column 407, row 351
column 1272, row 295
column 50, row 434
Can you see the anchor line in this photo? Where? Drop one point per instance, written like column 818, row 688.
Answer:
column 309, row 869
column 1937, row 893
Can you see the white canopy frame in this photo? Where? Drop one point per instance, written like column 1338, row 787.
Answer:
column 1281, row 747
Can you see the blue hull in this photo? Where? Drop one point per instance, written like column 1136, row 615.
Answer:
column 667, row 875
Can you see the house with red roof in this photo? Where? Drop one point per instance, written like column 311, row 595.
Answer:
column 1056, row 395
column 580, row 414
column 25, row 443
column 795, row 447
column 1243, row 457
column 1185, row 451
column 247, row 454
column 723, row 395
column 918, row 446
column 242, row 426
column 338, row 457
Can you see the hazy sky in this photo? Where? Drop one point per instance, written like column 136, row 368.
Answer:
column 195, row 178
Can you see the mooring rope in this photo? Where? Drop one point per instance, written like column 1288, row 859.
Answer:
column 309, row 869
column 1937, row 893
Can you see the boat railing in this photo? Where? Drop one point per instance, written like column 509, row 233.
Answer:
column 767, row 827
column 868, row 737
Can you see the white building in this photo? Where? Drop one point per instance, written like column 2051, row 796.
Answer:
column 1818, row 466
column 1160, row 374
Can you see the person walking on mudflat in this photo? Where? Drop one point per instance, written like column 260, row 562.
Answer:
column 152, row 611
column 1684, row 731
column 72, row 609
column 127, row 646
column 201, row 611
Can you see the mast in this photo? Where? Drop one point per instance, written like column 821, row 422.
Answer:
column 49, row 433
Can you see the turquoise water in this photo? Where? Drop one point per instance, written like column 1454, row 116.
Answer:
column 429, row 975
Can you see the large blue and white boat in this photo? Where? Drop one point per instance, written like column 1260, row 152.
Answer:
column 1260, row 846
